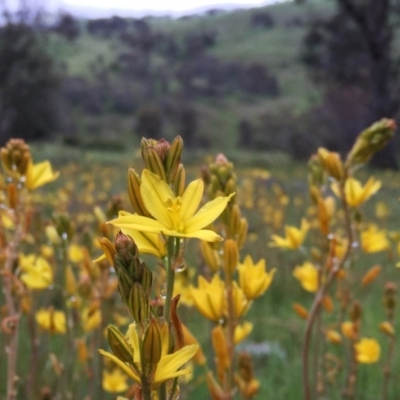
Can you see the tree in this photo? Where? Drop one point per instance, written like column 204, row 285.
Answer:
column 28, row 84
column 354, row 47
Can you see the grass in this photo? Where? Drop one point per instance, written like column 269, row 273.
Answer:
column 276, row 340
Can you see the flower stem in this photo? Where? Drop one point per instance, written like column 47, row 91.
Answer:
column 173, row 249
column 315, row 308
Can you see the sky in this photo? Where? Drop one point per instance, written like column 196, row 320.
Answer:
column 98, row 8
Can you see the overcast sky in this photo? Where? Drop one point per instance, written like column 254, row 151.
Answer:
column 132, row 7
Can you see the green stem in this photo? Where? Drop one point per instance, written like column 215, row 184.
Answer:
column 146, row 391
column 173, row 250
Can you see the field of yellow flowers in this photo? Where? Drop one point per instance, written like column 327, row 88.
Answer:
column 158, row 279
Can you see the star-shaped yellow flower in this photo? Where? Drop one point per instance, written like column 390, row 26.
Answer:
column 374, row 240
column 36, row 272
column 307, row 275
column 355, row 193
column 253, row 278
column 209, row 298
column 39, row 174
column 294, row 237
column 174, row 216
column 114, row 381
column 51, row 320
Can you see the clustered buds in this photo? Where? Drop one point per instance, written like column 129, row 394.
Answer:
column 134, row 278
column 371, row 140
column 15, row 157
column 221, row 181
column 163, row 158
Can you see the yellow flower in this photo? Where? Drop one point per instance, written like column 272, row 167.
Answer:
column 36, row 272
column 76, row 253
column 168, row 366
column 209, row 298
column 355, row 193
column 294, row 237
column 242, row 331
column 91, row 318
column 368, row 351
column 39, row 174
column 374, row 240
column 349, row 330
column 188, row 339
column 307, row 274
column 114, row 381
column 253, row 278
column 240, row 303
column 51, row 320
column 174, row 216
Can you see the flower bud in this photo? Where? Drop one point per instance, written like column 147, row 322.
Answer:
column 138, row 304
column 64, row 226
column 220, row 347
column 173, row 158
column 371, row 275
column 127, row 258
column 355, row 311
column 231, row 256
column 134, row 194
column 179, row 181
column 151, row 349
column 331, row 162
column 333, row 336
column 214, row 388
column 210, row 255
column 119, row 346
column 242, row 235
column 153, row 162
column 15, row 157
column 300, row 310
column 12, row 195
column 371, row 140
column 387, row 328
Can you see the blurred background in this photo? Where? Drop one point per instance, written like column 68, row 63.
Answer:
column 250, row 77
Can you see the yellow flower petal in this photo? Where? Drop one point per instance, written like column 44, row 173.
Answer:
column 307, row 275
column 39, row 174
column 207, row 214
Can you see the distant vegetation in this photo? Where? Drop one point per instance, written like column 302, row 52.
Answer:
column 235, row 80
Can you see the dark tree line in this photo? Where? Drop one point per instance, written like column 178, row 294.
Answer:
column 354, row 51
column 28, row 84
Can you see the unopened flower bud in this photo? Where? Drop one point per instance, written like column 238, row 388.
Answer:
column 371, row 275
column 15, row 157
column 231, row 256
column 371, row 140
column 152, row 343
column 300, row 310
column 127, row 257
column 210, row 255
column 138, row 304
column 153, row 162
column 173, row 158
column 134, row 194
column 119, row 346
column 179, row 181
column 387, row 328
column 332, row 163
column 355, row 311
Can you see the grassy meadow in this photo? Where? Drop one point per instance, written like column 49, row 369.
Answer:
column 272, row 192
